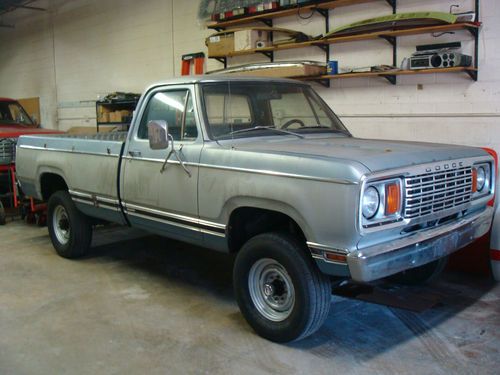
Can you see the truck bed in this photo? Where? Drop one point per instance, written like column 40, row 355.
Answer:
column 89, row 165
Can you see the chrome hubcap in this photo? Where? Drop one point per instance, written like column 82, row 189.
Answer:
column 60, row 223
column 271, row 289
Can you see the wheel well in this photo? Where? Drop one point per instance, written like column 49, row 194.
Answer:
column 247, row 222
column 50, row 183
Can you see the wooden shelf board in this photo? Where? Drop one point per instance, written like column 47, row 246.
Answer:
column 285, row 13
column 391, row 73
column 402, row 32
column 358, row 37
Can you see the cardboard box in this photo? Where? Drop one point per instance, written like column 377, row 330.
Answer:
column 220, row 45
column 115, row 116
column 248, row 39
column 103, row 117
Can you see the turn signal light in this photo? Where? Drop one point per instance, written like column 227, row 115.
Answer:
column 392, row 199
column 336, row 257
column 474, row 180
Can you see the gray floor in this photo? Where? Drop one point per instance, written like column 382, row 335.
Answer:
column 149, row 305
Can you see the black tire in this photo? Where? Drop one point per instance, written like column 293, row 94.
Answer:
column 3, row 218
column 312, row 289
column 73, row 225
column 421, row 275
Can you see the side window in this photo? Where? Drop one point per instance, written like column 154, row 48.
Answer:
column 176, row 108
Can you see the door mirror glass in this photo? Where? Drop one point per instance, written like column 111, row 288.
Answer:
column 158, row 134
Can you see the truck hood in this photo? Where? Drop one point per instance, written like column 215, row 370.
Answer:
column 376, row 155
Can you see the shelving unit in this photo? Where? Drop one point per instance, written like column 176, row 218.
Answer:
column 324, row 44
column 267, row 17
column 121, row 106
column 390, row 75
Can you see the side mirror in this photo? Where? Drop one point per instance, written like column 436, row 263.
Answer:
column 158, row 134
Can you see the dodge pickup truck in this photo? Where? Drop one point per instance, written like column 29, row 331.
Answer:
column 263, row 168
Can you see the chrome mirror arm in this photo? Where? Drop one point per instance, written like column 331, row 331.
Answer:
column 177, row 156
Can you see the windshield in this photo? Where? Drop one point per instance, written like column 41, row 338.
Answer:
column 13, row 113
column 244, row 109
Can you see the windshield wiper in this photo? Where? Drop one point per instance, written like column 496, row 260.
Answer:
column 272, row 128
column 324, row 127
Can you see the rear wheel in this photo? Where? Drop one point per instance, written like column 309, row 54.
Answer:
column 69, row 229
column 279, row 289
column 421, row 275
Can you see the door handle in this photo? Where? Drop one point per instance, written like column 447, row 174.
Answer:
column 134, row 153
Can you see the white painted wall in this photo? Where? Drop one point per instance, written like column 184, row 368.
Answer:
column 82, row 49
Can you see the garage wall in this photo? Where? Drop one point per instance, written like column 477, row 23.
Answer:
column 82, row 49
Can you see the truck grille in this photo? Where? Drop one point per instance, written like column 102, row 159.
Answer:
column 437, row 191
column 7, row 150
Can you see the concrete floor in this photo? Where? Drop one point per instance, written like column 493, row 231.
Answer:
column 149, row 305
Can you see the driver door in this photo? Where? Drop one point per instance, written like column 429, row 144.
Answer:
column 164, row 202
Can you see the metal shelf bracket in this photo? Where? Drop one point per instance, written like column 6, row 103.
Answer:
column 323, row 82
column 266, row 21
column 390, row 39
column 393, row 4
column 390, row 78
column 268, row 54
column 222, row 60
column 323, row 47
column 323, row 12
column 472, row 74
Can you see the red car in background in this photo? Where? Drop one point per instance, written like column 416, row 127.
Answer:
column 14, row 122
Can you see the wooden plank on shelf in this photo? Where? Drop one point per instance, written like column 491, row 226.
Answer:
column 401, row 32
column 278, row 47
column 357, row 37
column 285, row 13
column 455, row 69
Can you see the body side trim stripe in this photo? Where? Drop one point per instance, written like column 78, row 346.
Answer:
column 317, row 246
column 176, row 217
column 249, row 170
column 174, row 222
column 69, row 151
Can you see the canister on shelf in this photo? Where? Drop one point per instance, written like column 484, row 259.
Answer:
column 332, row 67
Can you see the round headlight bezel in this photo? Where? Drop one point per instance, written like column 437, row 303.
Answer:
column 481, row 178
column 375, row 207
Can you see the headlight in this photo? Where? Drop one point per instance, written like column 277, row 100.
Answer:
column 381, row 202
column 481, row 178
column 371, row 202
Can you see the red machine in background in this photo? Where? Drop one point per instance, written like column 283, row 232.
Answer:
column 14, row 122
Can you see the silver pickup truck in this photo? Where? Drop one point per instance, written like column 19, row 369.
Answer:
column 263, row 168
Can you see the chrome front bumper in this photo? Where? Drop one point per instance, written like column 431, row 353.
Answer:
column 383, row 260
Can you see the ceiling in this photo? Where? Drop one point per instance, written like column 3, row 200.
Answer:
column 7, row 6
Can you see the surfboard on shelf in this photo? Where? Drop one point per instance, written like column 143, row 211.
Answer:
column 294, row 35
column 283, row 69
column 396, row 21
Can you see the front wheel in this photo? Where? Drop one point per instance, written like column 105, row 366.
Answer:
column 69, row 229
column 279, row 289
